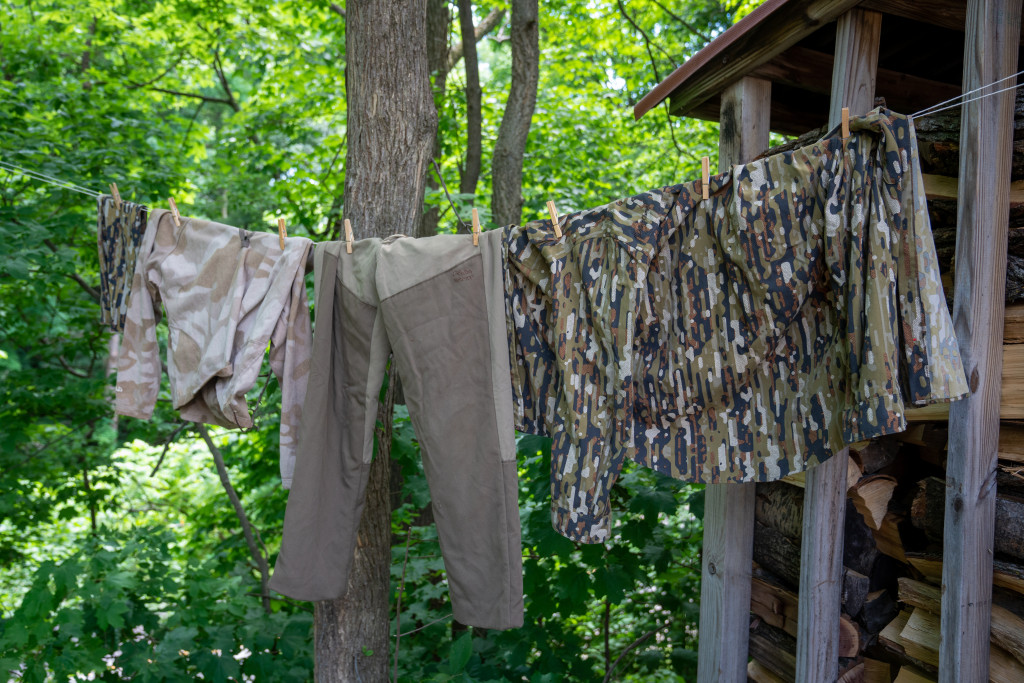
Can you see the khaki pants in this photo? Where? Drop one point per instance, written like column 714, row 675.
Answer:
column 437, row 303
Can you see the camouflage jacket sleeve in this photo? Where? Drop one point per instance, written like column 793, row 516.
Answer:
column 138, row 364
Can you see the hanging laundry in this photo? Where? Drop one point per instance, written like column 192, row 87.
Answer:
column 741, row 338
column 119, row 235
column 228, row 293
column 438, row 304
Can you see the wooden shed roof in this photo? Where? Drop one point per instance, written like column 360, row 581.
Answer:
column 792, row 42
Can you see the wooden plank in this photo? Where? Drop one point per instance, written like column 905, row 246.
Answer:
column 821, row 552
column 949, row 14
column 1013, row 323
column 729, row 508
column 767, row 31
column 946, row 187
column 986, row 144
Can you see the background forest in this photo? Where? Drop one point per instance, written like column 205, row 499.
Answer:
column 136, row 550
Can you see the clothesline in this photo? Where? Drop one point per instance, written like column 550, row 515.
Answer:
column 945, row 105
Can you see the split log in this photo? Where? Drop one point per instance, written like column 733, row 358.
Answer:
column 876, row 671
column 777, row 553
column 871, row 497
column 889, row 637
column 928, row 514
column 1011, row 441
column 920, row 594
column 879, row 609
column 921, row 637
column 1007, row 627
column 1002, row 667
column 1008, row 632
column 909, row 674
column 890, row 646
column 876, row 454
column 759, row 673
column 853, row 674
column 774, row 649
column 1004, row 574
column 779, row 607
column 860, row 551
column 887, row 537
column 855, row 591
column 780, row 506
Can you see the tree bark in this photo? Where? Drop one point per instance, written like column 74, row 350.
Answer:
column 474, row 94
column 507, row 164
column 438, row 20
column 391, row 127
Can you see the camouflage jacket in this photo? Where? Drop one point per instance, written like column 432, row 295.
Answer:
column 741, row 338
column 119, row 235
column 228, row 293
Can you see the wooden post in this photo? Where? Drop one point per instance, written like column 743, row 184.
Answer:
column 986, row 139
column 729, row 508
column 821, row 552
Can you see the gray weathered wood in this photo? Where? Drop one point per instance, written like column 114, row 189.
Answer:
column 729, row 508
column 990, row 53
column 821, row 553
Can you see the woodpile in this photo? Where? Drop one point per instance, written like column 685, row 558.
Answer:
column 892, row 563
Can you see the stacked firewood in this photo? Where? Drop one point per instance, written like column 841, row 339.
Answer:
column 889, row 627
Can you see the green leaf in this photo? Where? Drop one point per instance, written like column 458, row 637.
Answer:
column 460, row 653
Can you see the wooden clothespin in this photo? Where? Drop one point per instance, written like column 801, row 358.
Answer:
column 348, row 236
column 281, row 234
column 705, row 176
column 116, row 195
column 174, row 212
column 845, row 113
column 554, row 219
column 476, row 228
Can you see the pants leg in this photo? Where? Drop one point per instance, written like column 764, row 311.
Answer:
column 335, row 444
column 442, row 300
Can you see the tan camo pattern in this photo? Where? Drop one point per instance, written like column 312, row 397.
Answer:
column 228, row 293
column 119, row 233
column 741, row 338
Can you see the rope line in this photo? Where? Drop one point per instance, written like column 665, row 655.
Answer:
column 36, row 175
column 940, row 106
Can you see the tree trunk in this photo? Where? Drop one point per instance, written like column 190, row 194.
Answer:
column 474, row 114
column 391, row 126
column 507, row 164
column 438, row 19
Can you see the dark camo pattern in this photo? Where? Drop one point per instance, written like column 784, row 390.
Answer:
column 742, row 338
column 119, row 234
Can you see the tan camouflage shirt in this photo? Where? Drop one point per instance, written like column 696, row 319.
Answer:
column 228, row 293
column 741, row 338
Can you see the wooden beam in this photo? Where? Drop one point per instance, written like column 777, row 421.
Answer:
column 951, row 14
column 768, row 30
column 811, row 70
column 729, row 508
column 986, row 142
column 821, row 554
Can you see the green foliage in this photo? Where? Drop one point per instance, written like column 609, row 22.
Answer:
column 120, row 556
